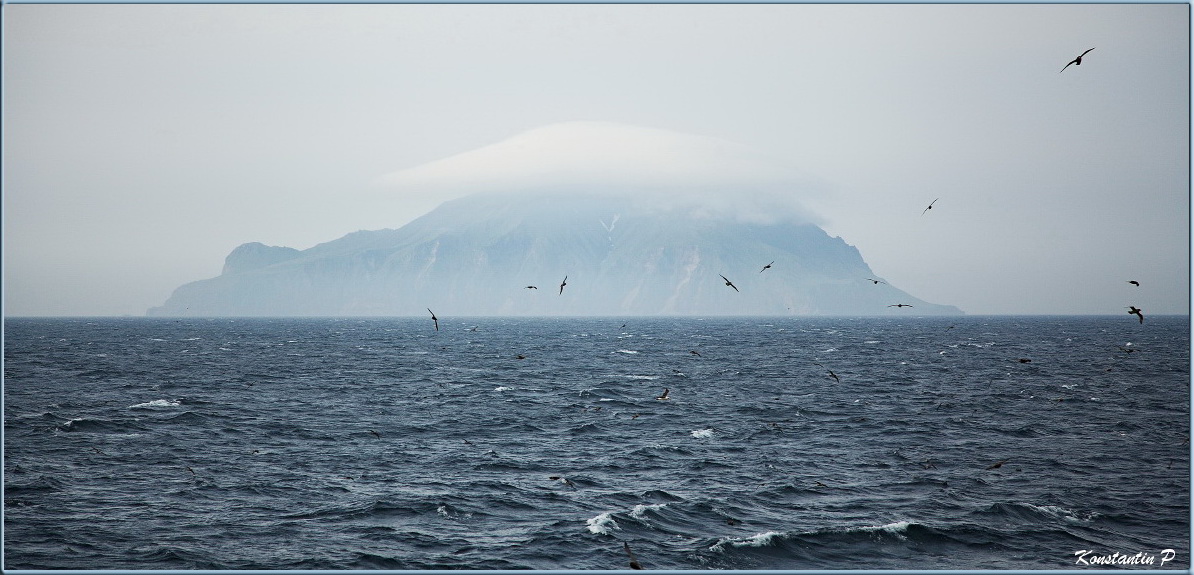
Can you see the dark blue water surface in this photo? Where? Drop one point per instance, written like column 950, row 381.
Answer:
column 384, row 444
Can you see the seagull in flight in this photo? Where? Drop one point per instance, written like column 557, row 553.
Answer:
column 1137, row 311
column 729, row 283
column 531, row 287
column 664, row 396
column 562, row 284
column 900, row 305
column 831, row 374
column 766, row 267
column 876, row 282
column 434, row 319
column 1134, row 282
column 375, row 434
column 930, row 206
column 1076, row 61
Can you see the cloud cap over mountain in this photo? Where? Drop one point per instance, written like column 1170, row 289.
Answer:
column 661, row 169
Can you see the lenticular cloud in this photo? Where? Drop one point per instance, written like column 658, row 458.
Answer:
column 669, row 169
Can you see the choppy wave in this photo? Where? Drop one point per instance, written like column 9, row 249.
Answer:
column 382, row 448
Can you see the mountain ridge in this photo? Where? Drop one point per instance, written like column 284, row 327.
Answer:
column 474, row 256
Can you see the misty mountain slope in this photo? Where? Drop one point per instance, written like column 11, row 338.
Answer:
column 476, row 255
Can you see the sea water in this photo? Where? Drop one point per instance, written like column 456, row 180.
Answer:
column 498, row 443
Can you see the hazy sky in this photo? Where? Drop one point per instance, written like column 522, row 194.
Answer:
column 142, row 143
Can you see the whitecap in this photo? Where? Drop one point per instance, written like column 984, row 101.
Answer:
column 602, row 524
column 1062, row 513
column 871, row 341
column 501, row 388
column 639, row 510
column 647, row 377
column 757, row 540
column 156, row 403
column 898, row 528
column 701, row 433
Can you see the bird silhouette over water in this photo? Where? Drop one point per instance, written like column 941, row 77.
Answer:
column 562, row 284
column 531, row 287
column 930, row 206
column 375, row 434
column 766, row 267
column 634, row 564
column 695, row 352
column 831, row 374
column 664, row 396
column 729, row 283
column 434, row 319
column 1134, row 282
column 996, row 465
column 1076, row 61
column 1137, row 312
column 875, row 281
column 900, row 305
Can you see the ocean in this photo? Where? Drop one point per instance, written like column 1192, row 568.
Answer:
column 499, row 443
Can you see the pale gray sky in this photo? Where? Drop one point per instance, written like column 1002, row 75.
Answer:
column 142, row 143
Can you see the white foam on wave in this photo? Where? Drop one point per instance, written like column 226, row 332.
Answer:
column 155, row 404
column 603, row 524
column 899, row 528
column 757, row 540
column 501, row 388
column 639, row 510
column 1062, row 513
column 702, row 433
column 646, row 377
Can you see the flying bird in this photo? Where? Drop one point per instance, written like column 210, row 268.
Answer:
column 375, row 434
column 434, row 319
column 634, row 564
column 563, row 480
column 900, row 305
column 562, row 284
column 694, row 352
column 930, row 206
column 664, row 396
column 1135, row 310
column 531, row 287
column 766, row 267
column 831, row 374
column 1134, row 282
column 1076, row 61
column 996, row 465
column 729, row 283
column 876, row 282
